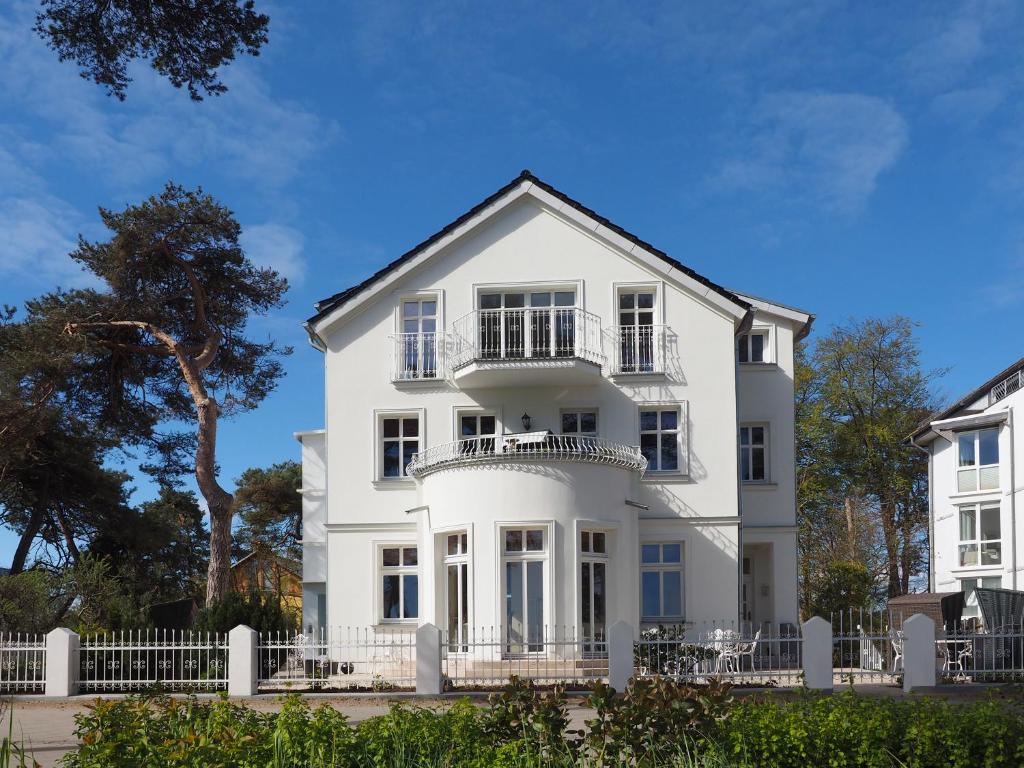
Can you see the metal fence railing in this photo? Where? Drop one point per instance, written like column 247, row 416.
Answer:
column 22, row 662
column 867, row 646
column 743, row 654
column 138, row 660
column 487, row 657
column 342, row 658
column 981, row 655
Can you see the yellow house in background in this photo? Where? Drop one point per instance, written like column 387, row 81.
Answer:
column 272, row 575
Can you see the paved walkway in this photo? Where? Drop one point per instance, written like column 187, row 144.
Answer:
column 46, row 726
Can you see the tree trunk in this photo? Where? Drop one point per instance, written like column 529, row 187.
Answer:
column 851, row 531
column 35, row 524
column 219, row 502
column 218, row 574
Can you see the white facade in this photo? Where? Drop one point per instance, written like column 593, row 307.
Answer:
column 621, row 358
column 974, row 487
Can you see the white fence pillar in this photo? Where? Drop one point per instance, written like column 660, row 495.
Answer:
column 918, row 652
column 62, row 646
column 243, row 661
column 428, row 660
column 620, row 655
column 817, row 653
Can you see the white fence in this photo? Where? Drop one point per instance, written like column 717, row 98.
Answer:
column 996, row 656
column 482, row 658
column 22, row 662
column 339, row 659
column 131, row 661
column 765, row 656
column 637, row 349
column 867, row 647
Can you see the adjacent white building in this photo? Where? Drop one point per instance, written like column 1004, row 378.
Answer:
column 535, row 419
column 973, row 485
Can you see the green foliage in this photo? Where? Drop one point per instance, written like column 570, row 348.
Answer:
column 653, row 725
column 184, row 42
column 253, row 610
column 26, row 602
column 842, row 586
column 270, row 508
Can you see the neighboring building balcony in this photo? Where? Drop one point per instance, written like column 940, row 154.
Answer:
column 637, row 349
column 1006, row 387
column 528, row 447
column 417, row 356
column 528, row 346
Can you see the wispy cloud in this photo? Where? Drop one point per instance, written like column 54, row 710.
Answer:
column 36, row 234
column 276, row 246
column 817, row 148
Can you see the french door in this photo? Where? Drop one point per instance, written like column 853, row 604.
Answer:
column 594, row 591
column 518, row 325
column 636, row 329
column 456, row 564
column 525, row 555
column 419, row 339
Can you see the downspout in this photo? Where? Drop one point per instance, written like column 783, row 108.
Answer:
column 744, row 326
column 1013, row 501
column 931, row 517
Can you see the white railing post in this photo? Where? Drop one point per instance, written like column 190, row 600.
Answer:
column 918, row 653
column 243, row 661
column 817, row 653
column 62, row 648
column 428, row 660
column 620, row 655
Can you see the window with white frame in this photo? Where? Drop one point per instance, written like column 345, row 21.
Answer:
column 636, row 349
column 980, row 535
column 399, row 579
column 977, row 460
column 967, row 586
column 661, row 582
column 660, row 433
column 456, row 570
column 399, row 442
column 476, row 432
column 582, row 423
column 752, row 347
column 417, row 341
column 524, row 561
column 593, row 589
column 754, row 453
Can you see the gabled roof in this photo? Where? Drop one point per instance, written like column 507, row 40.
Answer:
column 325, row 306
column 970, row 397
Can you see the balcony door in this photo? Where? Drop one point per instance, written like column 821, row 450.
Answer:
column 524, row 561
column 476, row 433
column 514, row 324
column 502, row 325
column 636, row 331
column 419, row 339
column 552, row 324
column 594, row 591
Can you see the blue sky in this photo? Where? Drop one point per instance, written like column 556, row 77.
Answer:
column 846, row 159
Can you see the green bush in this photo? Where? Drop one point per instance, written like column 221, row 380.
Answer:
column 253, row 610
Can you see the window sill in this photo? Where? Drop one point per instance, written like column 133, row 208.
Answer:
column 755, row 485
column 395, row 625
column 979, row 570
column 758, row 366
column 419, row 383
column 976, row 494
column 642, row 375
column 665, row 477
column 398, row 484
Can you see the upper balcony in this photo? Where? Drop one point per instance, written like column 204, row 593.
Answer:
column 526, row 347
column 529, row 447
column 637, row 349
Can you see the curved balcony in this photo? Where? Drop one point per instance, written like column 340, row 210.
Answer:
column 530, row 447
column 526, row 346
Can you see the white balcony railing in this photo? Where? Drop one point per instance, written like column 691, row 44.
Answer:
column 637, row 348
column 534, row 333
column 1006, row 387
column 528, row 447
column 417, row 356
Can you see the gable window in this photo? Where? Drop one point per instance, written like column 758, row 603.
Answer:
column 636, row 331
column 753, row 453
column 752, row 347
column 980, row 536
column 416, row 344
column 524, row 561
column 456, row 567
column 476, row 432
column 977, row 460
column 399, row 442
column 594, row 589
column 399, row 583
column 661, row 582
column 580, row 423
column 660, row 438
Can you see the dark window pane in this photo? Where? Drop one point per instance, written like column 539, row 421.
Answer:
column 585, row 598
column 569, row 423
column 651, row 594
column 490, row 301
column 757, row 348
column 391, row 598
column 672, row 583
column 390, row 427
column 669, row 420
column 410, row 326
column 625, row 301
column 599, row 542
column 649, row 448
column 410, row 583
column 988, row 446
column 513, row 541
column 389, row 556
column 534, row 541
column 453, row 545
column 757, row 460
column 468, row 426
column 391, row 466
column 515, row 300
column 757, row 435
column 672, row 553
column 565, row 298
column 645, row 300
column 429, row 308
column 409, row 450
column 989, row 523
column 429, row 325
column 966, row 443
column 648, row 420
column 650, row 553
column 741, row 349
column 410, row 427
column 409, row 556
column 585, row 541
column 744, row 435
column 410, row 308
column 626, row 318
column 465, row 543
column 645, row 318
column 540, row 299
column 486, row 425
column 588, row 422
column 745, row 464
column 669, row 452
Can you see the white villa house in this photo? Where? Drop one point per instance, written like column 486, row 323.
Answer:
column 973, row 485
column 535, row 419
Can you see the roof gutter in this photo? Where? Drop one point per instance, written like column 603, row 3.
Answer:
column 314, row 338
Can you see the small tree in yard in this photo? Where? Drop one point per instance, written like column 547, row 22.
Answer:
column 166, row 337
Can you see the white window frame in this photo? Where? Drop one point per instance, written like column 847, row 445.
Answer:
column 660, row 568
column 977, row 541
column 579, row 410
column 749, row 449
column 378, row 442
column 461, row 644
column 682, row 443
column 586, row 533
column 767, row 350
column 399, row 371
column 543, row 556
column 401, row 571
column 977, row 468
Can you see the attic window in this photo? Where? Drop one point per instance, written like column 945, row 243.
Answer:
column 752, row 347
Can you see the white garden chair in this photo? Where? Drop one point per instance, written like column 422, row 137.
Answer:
column 896, row 639
column 749, row 648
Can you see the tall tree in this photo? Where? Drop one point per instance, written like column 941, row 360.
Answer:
column 860, row 484
column 270, row 509
column 186, row 42
column 166, row 339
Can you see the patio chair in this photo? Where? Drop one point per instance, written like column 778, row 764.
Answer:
column 896, row 640
column 724, row 644
column 955, row 653
column 748, row 649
